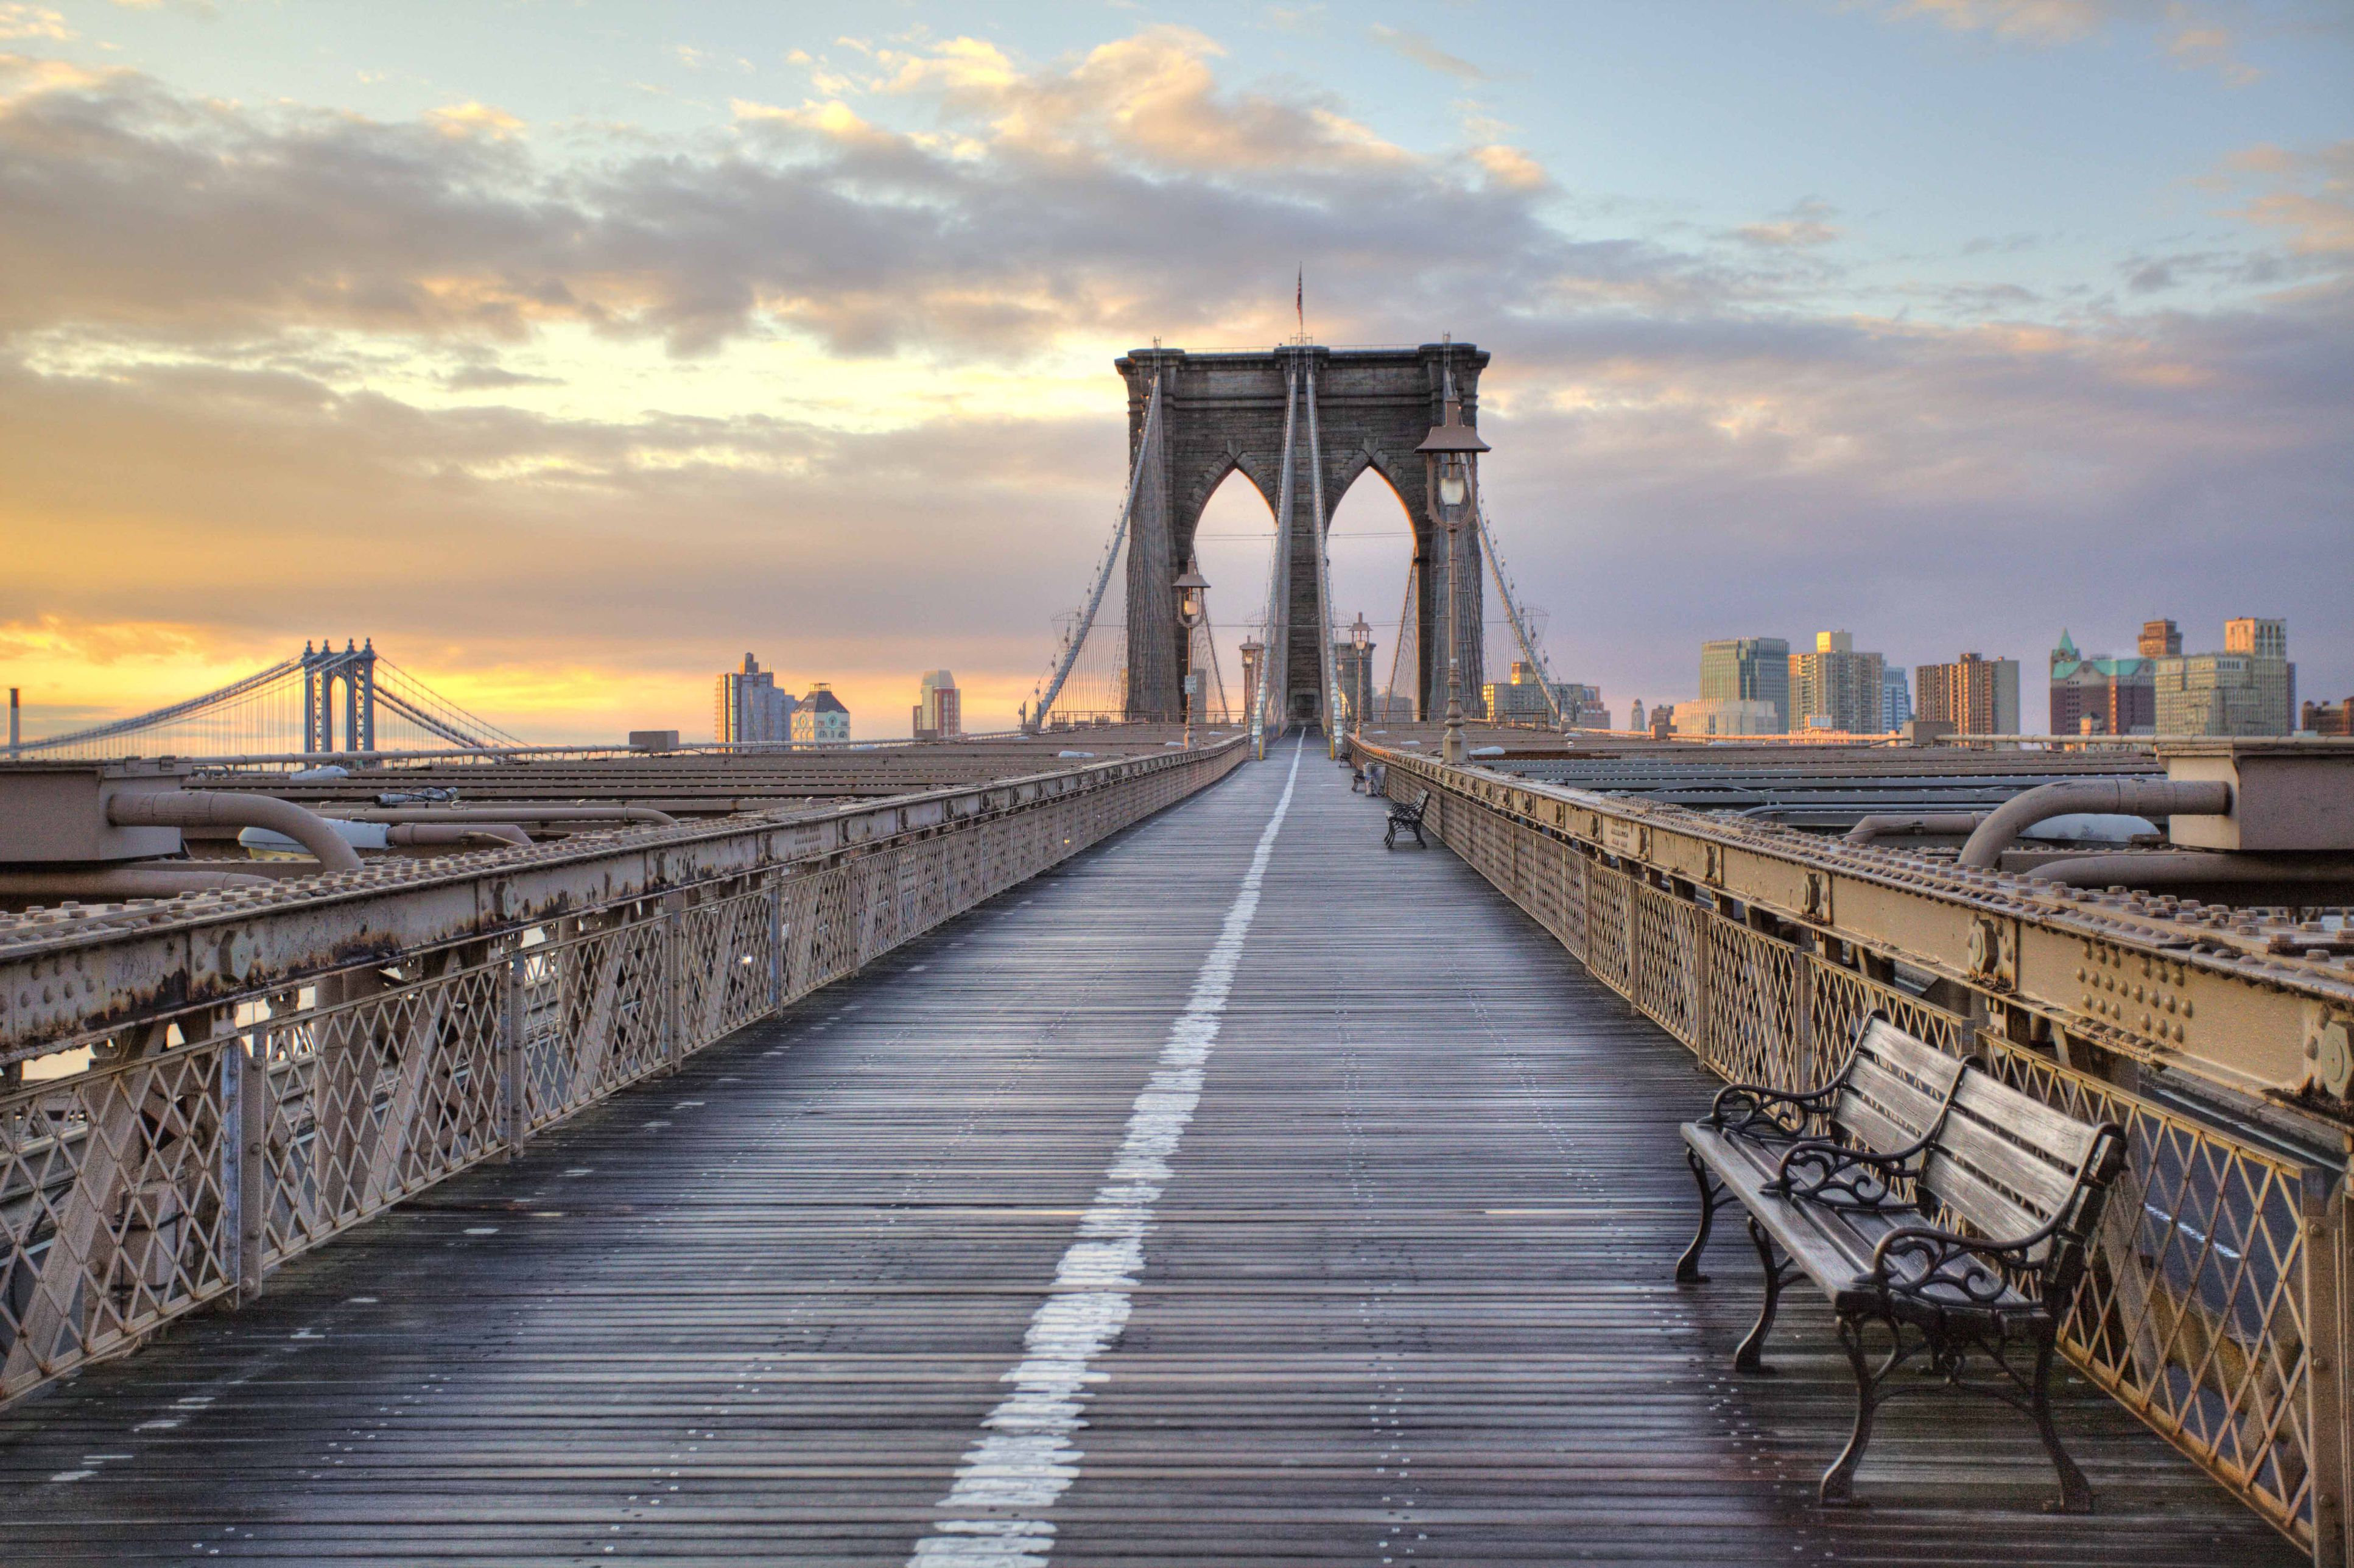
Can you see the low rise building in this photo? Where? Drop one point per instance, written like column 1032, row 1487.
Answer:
column 2094, row 694
column 819, row 716
column 2327, row 718
column 1521, row 700
column 1727, row 716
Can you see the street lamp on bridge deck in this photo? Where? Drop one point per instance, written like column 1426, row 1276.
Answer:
column 1360, row 637
column 1450, row 451
column 1191, row 589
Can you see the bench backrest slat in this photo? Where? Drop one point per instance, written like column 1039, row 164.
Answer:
column 1876, row 1094
column 2035, row 1187
column 2006, row 1165
column 1895, row 1089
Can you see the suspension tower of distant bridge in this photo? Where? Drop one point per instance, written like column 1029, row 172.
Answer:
column 306, row 705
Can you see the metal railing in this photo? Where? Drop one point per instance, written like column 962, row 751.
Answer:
column 2214, row 1304
column 208, row 1144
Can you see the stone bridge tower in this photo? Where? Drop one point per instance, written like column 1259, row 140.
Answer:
column 1370, row 410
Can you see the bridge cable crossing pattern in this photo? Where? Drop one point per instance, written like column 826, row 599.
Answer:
column 1530, row 648
column 1025, row 1460
column 1070, row 653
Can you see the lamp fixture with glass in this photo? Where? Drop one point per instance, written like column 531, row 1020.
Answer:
column 1193, row 591
column 1450, row 451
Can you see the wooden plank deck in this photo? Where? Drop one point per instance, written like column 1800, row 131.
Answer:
column 1406, row 1295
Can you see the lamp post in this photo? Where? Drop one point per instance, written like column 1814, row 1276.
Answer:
column 1191, row 589
column 1448, row 451
column 1361, row 637
column 1254, row 666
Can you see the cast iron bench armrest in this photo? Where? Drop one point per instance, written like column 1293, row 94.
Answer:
column 1971, row 1264
column 1751, row 1100
column 1840, row 1176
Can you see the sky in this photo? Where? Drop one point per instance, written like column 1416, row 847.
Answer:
column 570, row 350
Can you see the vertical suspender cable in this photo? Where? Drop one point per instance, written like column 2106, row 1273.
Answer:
column 1397, row 650
column 1327, row 667
column 1276, row 676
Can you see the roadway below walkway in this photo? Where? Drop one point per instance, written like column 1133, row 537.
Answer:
column 1217, row 1195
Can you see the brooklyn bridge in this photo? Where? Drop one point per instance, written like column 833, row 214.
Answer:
column 1181, row 1127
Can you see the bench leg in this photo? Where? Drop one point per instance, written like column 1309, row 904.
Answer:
column 2076, row 1494
column 1712, row 1199
column 1419, row 841
column 1837, row 1490
column 1749, row 1357
column 1389, row 839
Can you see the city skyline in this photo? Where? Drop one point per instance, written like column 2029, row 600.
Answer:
column 792, row 331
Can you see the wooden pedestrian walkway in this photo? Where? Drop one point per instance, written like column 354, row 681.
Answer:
column 1215, row 1196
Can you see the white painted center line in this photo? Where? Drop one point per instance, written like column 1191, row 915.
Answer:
column 1024, row 1459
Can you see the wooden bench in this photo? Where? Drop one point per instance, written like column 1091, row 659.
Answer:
column 1919, row 1193
column 1409, row 818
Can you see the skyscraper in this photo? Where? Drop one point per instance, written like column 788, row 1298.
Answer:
column 1748, row 669
column 1976, row 696
column 748, row 710
column 1836, row 688
column 1895, row 700
column 2160, row 638
column 940, row 708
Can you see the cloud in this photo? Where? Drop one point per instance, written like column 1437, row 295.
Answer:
column 21, row 22
column 1407, row 44
column 1294, row 18
column 2021, row 21
column 2211, row 49
column 1510, row 167
column 2306, row 196
column 493, row 378
column 471, row 119
column 1151, row 98
column 2190, row 35
column 694, row 58
column 1125, row 184
column 1803, row 226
